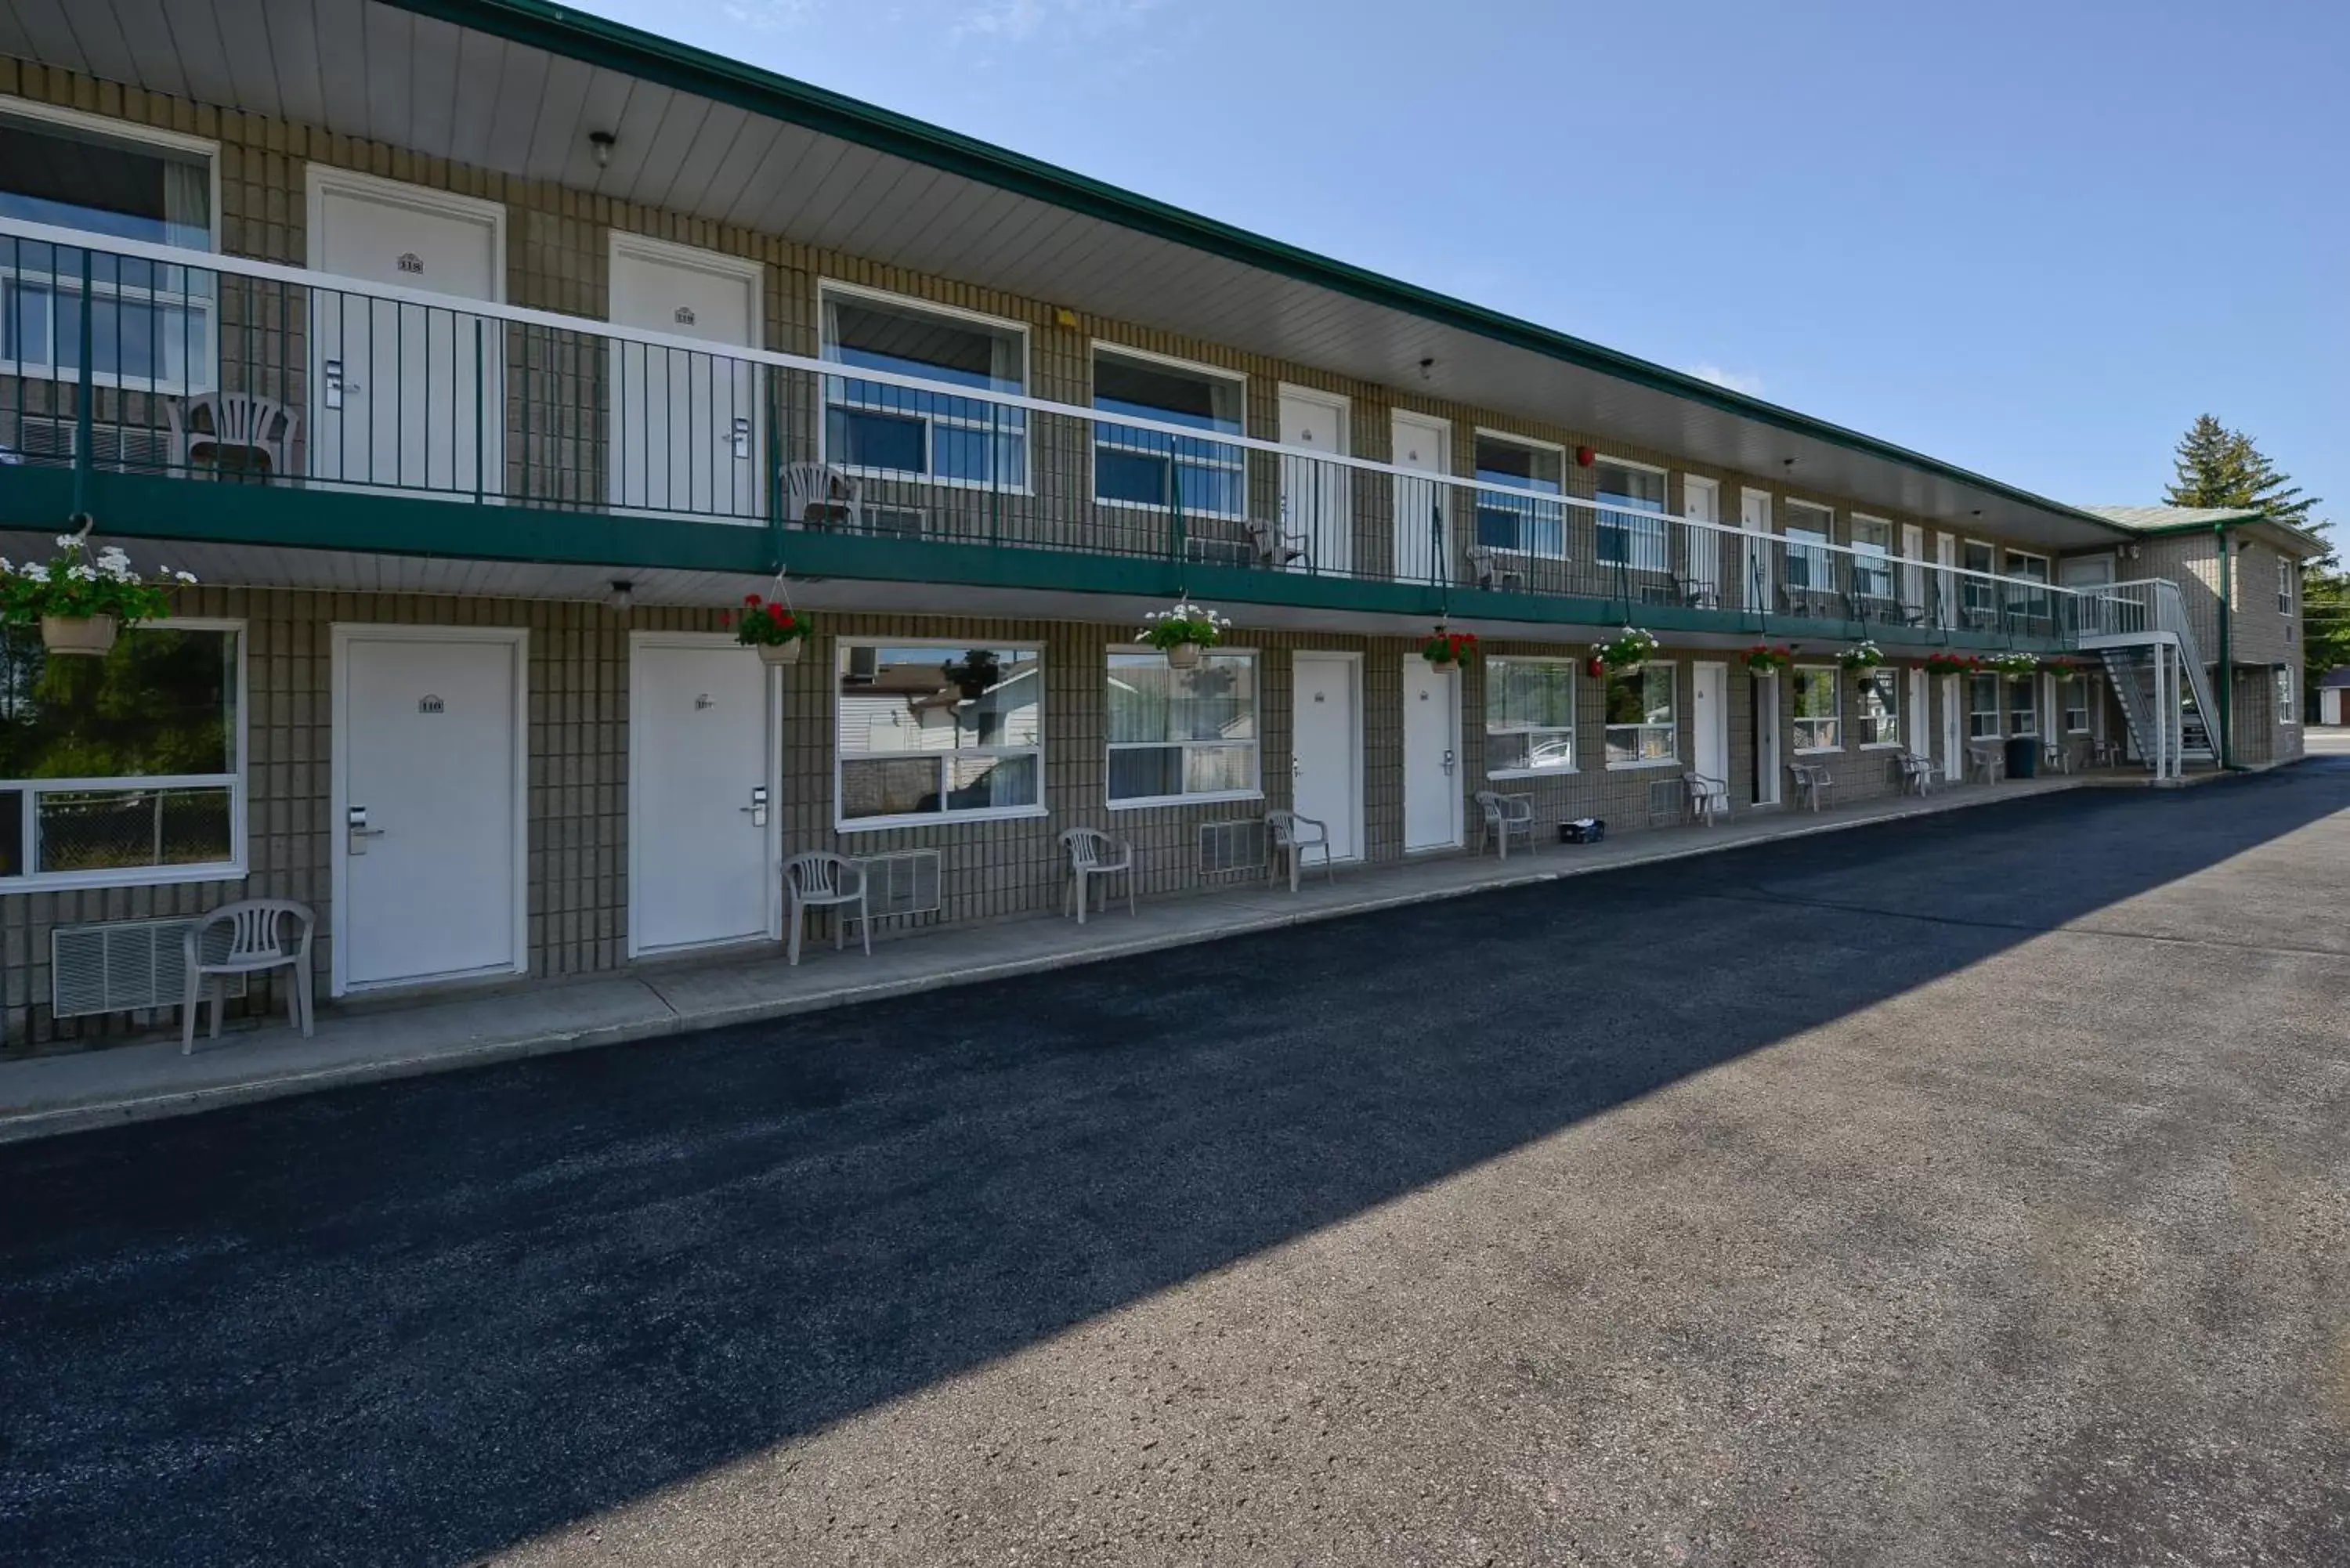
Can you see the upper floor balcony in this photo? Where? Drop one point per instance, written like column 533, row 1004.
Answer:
column 175, row 392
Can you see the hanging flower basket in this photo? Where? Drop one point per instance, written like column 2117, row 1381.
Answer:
column 2015, row 666
column 1862, row 655
column 80, row 601
column 1184, row 633
column 1446, row 649
column 1625, row 653
column 1952, row 664
column 777, row 631
column 1763, row 658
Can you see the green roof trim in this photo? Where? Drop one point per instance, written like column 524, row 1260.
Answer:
column 686, row 69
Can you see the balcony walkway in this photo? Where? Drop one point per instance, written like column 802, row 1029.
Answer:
column 265, row 1059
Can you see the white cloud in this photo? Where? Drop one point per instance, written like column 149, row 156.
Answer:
column 767, row 16
column 1750, row 385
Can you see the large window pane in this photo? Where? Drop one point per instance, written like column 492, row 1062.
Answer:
column 935, row 730
column 1143, row 467
column 1521, row 523
column 74, row 179
column 1641, row 721
column 1529, row 715
column 1627, row 537
column 1819, row 709
column 163, row 703
column 1880, row 708
column 106, row 830
column 1182, row 732
column 912, row 430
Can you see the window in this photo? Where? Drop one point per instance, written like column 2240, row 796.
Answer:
column 150, row 325
column 1982, row 707
column 1181, row 734
column 1529, row 716
column 1641, row 727
column 1819, row 709
column 1627, row 537
column 1521, row 523
column 2286, row 577
column 1978, row 593
column 1152, row 468
column 2288, row 710
column 1810, row 570
column 913, row 432
column 931, row 732
column 1880, row 707
column 127, row 768
column 1872, row 557
column 2023, row 712
column 2073, row 701
column 2034, row 568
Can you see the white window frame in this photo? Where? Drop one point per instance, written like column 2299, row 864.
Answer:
column 915, row 305
column 1997, row 711
column 1565, row 513
column 1881, row 559
column 231, row 869
column 943, row 816
column 2079, row 680
column 2288, row 576
column 2287, row 703
column 1662, row 531
column 131, row 133
column 1672, row 730
column 1865, row 679
column 1795, row 691
column 1573, row 763
column 1824, row 552
column 1095, row 350
column 1255, row 790
column 2031, row 686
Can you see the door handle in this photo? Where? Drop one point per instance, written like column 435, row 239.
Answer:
column 355, row 824
column 1448, row 764
column 336, row 387
column 757, row 809
column 739, row 437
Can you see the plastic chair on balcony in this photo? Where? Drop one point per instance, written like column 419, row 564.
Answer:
column 209, row 432
column 247, row 937
column 1708, row 798
column 1295, row 836
column 1491, row 570
column 1501, row 815
column 818, row 881
column 819, row 496
column 1814, row 784
column 1093, row 853
column 1276, row 545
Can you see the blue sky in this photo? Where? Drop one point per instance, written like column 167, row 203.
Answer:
column 2035, row 239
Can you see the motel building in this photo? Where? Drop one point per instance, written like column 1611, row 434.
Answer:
column 480, row 357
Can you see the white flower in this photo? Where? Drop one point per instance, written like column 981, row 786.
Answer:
column 184, row 576
column 68, row 541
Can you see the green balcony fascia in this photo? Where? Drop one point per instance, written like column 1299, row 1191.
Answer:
column 154, row 506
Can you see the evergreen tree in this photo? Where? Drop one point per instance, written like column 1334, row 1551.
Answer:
column 2221, row 467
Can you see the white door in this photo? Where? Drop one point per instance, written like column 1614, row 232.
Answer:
column 1423, row 513
column 1921, row 719
column 1315, row 496
column 1327, row 755
column 406, row 395
column 1754, row 574
column 1946, row 560
column 687, row 430
column 1766, row 739
column 428, row 797
column 1432, row 756
column 1701, row 503
column 701, row 808
column 1913, row 569
column 1710, row 711
column 1954, row 751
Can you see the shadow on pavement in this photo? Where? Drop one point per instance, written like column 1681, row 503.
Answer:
column 418, row 1322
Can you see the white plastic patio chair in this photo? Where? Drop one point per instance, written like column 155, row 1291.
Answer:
column 220, row 423
column 247, row 937
column 1293, row 837
column 1274, row 545
column 1093, row 853
column 820, row 879
column 819, row 496
column 1709, row 797
column 1502, row 816
column 1917, row 773
column 1813, row 783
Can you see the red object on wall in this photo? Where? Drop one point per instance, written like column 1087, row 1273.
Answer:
column 1583, row 456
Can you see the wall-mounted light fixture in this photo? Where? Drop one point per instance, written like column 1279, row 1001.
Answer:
column 601, row 142
column 623, row 596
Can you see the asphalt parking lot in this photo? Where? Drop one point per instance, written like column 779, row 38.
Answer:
column 1973, row 1189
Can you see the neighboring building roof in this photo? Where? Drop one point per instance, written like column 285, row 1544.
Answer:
column 2338, row 677
column 2154, row 518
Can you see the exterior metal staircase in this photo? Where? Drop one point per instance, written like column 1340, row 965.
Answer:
column 2141, row 632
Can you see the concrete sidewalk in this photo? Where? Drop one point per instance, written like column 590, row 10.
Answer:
column 48, row 1095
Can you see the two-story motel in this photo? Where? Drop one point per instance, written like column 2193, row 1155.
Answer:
column 478, row 356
